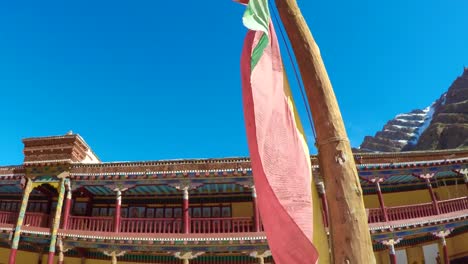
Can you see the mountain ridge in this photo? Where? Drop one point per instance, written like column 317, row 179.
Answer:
column 441, row 125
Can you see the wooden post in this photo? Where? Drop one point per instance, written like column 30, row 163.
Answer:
column 66, row 210
column 392, row 254
column 56, row 222
column 351, row 241
column 185, row 211
column 444, row 246
column 118, row 205
column 19, row 223
column 464, row 173
column 381, row 201
column 442, row 234
column 322, row 194
column 391, row 248
column 256, row 216
column 433, row 198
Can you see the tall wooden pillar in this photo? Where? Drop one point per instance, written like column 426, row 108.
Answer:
column 392, row 254
column 55, row 227
column 349, row 230
column 464, row 173
column 433, row 198
column 381, row 200
column 442, row 235
column 185, row 211
column 427, row 177
column 118, row 205
column 256, row 215
column 66, row 210
column 62, row 251
column 390, row 243
column 323, row 198
column 19, row 223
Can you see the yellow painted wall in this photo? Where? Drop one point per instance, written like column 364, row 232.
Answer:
column 382, row 257
column 399, row 198
column 242, row 209
column 415, row 255
column 21, row 256
column 458, row 245
column 451, row 192
column 416, row 197
column 320, row 236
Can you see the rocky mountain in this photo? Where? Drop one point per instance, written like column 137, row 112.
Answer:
column 442, row 125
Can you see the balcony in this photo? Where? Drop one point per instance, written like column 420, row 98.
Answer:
column 225, row 225
column 30, row 219
column 417, row 211
column 162, row 225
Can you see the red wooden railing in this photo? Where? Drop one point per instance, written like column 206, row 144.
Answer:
column 8, row 217
column 410, row 211
column 453, row 205
column 221, row 225
column 151, row 225
column 85, row 223
column 374, row 215
column 36, row 219
column 405, row 212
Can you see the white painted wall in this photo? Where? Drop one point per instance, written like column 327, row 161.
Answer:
column 401, row 257
column 430, row 253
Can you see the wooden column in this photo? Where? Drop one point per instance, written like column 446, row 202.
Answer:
column 381, row 200
column 256, row 215
column 433, row 198
column 66, row 210
column 185, row 211
column 118, row 205
column 55, row 227
column 442, row 235
column 444, row 246
column 390, row 243
column 351, row 241
column 321, row 191
column 427, row 178
column 19, row 223
column 62, row 251
column 464, row 173
column 392, row 254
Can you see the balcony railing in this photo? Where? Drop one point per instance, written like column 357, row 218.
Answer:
column 30, row 219
column 162, row 225
column 453, row 205
column 36, row 219
column 99, row 224
column 8, row 217
column 221, row 225
column 398, row 213
column 151, row 225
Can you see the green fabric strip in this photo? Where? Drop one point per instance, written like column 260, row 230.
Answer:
column 257, row 18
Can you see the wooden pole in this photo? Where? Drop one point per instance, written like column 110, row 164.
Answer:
column 185, row 211
column 381, row 201
column 351, row 242
column 256, row 216
column 66, row 210
column 433, row 197
column 118, row 206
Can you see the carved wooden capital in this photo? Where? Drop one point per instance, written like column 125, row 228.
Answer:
column 188, row 255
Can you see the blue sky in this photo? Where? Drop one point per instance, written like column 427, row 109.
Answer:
column 145, row 80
